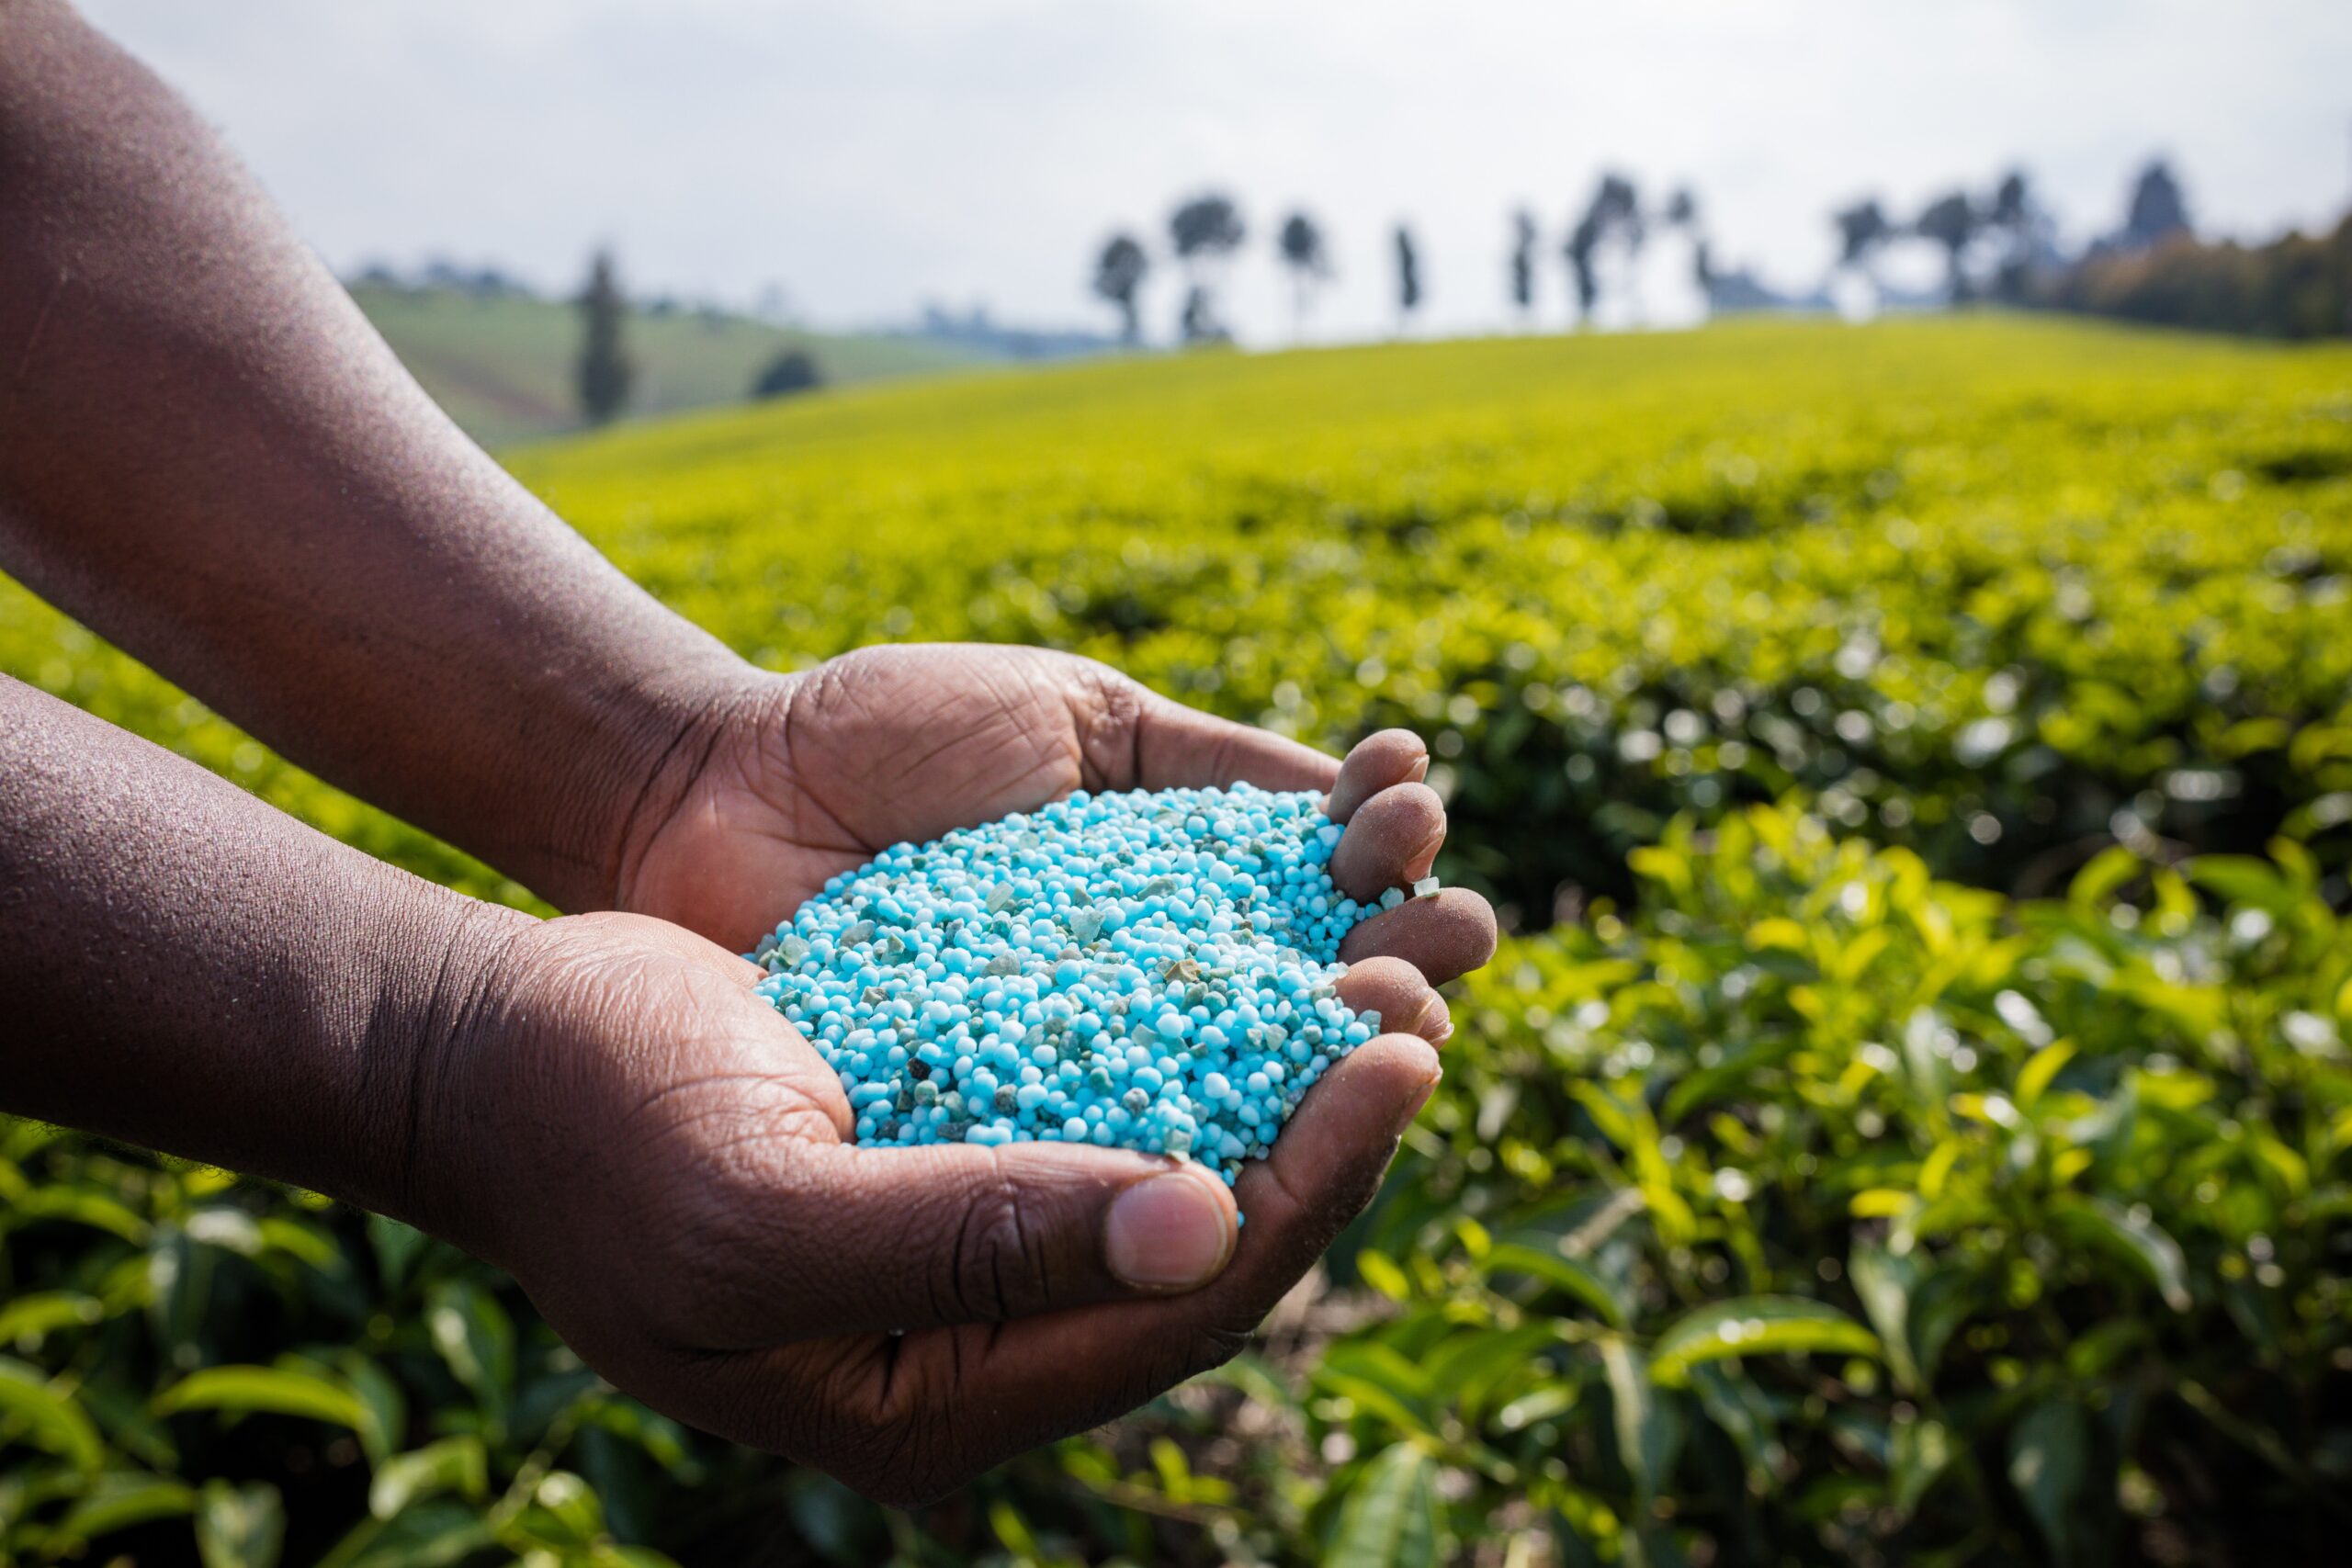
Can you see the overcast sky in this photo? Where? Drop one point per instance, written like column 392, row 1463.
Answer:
column 870, row 154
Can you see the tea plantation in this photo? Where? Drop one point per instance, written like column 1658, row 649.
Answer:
column 1910, row 1125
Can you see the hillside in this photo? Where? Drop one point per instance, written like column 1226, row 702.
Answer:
column 502, row 365
column 1825, row 532
column 1909, row 1121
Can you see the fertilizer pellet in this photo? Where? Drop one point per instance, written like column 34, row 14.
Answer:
column 1152, row 970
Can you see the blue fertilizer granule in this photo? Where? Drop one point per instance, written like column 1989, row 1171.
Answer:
column 1153, row 970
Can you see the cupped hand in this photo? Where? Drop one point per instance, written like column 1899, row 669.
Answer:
column 664, row 1163
column 796, row 777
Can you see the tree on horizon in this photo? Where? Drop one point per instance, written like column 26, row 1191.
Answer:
column 2158, row 209
column 1951, row 220
column 1309, row 259
column 1615, row 211
column 1522, row 262
column 1862, row 232
column 1205, row 231
column 605, row 371
column 2018, row 218
column 1198, row 324
column 1682, row 212
column 1119, row 272
column 1409, row 277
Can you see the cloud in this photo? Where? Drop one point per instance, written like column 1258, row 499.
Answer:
column 867, row 153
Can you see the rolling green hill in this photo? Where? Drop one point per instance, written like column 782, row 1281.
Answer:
column 503, row 364
column 1911, row 1122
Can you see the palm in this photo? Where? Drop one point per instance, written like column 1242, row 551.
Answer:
column 892, row 744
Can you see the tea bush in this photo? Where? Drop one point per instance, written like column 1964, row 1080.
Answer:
column 1944, row 1163
column 1985, row 589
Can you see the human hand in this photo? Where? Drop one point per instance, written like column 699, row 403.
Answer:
column 797, row 777
column 664, row 1164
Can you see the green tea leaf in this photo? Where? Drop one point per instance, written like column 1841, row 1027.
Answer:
column 384, row 1409
column 1473, row 1369
column 2107, row 871
column 458, row 1464
column 1381, row 1272
column 51, row 1420
column 273, row 1390
column 1571, row 1275
column 1648, row 1431
column 1381, row 1383
column 79, row 1205
column 2046, row 1466
column 35, row 1315
column 118, row 1500
column 2244, row 881
column 1389, row 1517
column 1734, row 1405
column 239, row 1527
column 1253, row 1376
column 2040, row 1068
column 475, row 1337
column 1756, row 1326
column 435, row 1533
column 1920, row 1451
column 397, row 1248
column 2134, row 1236
column 1884, row 1283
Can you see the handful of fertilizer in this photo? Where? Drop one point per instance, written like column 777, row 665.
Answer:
column 1150, row 970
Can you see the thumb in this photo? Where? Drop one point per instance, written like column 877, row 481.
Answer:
column 959, row 1233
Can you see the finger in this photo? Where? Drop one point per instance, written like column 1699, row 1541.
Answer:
column 1390, row 842
column 920, row 1415
column 959, row 1233
column 1395, row 999
column 1444, row 937
column 1390, row 757
column 1180, row 748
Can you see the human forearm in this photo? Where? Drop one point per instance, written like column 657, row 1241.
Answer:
column 207, row 454
column 188, row 969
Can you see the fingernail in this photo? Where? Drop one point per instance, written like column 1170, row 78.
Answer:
column 1168, row 1233
column 1426, row 1090
column 1420, row 769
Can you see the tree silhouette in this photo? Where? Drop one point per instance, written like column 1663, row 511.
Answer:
column 1615, row 211
column 1204, row 229
column 1119, row 272
column 1523, row 262
column 794, row 370
column 1862, row 232
column 1682, row 212
column 1951, row 221
column 1309, row 262
column 605, row 370
column 2014, row 215
column 1409, row 277
column 2159, row 210
column 2012, row 205
column 1862, row 229
column 1199, row 323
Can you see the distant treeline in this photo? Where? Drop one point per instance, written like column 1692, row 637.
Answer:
column 1999, row 244
column 2300, row 287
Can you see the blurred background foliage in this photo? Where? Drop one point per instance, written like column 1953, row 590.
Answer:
column 1906, row 1126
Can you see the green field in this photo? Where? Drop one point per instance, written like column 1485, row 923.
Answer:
column 1910, row 1122
column 504, row 364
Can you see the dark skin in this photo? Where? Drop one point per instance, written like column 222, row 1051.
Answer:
column 206, row 455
